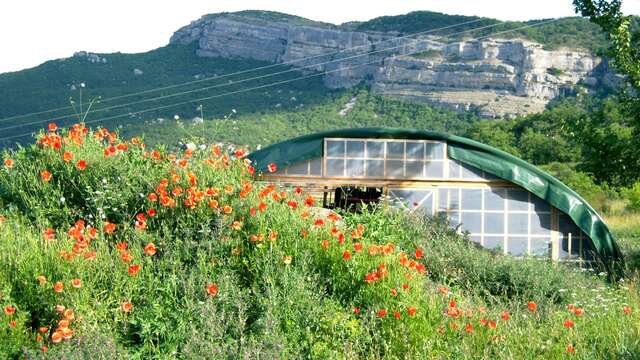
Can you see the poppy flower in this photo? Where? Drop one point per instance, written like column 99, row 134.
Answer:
column 67, row 156
column 69, row 314
column 58, row 287
column 126, row 257
column 41, row 280
column 411, row 311
column 49, row 234
column 43, row 329
column 133, row 269
column 109, row 228
column 468, row 328
column 396, row 315
column 492, row 324
column 394, row 292
column 45, row 175
column 76, row 283
column 8, row 163
column 356, row 310
column 570, row 349
column 272, row 167
column 122, row 246
column 212, row 289
column 213, row 203
column 346, row 255
column 532, row 306
column 419, row 253
column 150, row 249
column 382, row 313
column 52, row 127
column 505, row 315
column 357, row 247
column 151, row 212
column 443, row 290
column 292, row 204
column 578, row 311
column 626, row 310
column 152, row 197
column 568, row 324
column 126, row 307
column 227, row 209
column 81, row 165
column 325, row 244
column 9, row 310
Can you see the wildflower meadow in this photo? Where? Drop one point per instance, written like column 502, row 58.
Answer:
column 110, row 249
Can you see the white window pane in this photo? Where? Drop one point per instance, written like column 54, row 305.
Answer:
column 494, row 223
column 443, row 204
column 375, row 168
column 541, row 224
column 335, row 167
column 316, row 166
column 471, row 199
column 395, row 168
column 434, row 170
column 375, row 149
column 454, row 218
column 355, row 167
column 518, row 223
column 517, row 245
column 540, row 246
column 472, row 222
column 454, row 170
column 355, row 149
column 415, row 150
column 518, row 200
column 335, row 148
column 475, row 238
column 494, row 242
column 470, row 173
column 454, row 199
column 395, row 150
column 413, row 199
column 414, row 169
column 494, row 199
column 435, row 150
column 298, row 169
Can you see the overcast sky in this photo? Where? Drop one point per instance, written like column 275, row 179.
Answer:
column 33, row 31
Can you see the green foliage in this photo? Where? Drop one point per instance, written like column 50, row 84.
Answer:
column 633, row 194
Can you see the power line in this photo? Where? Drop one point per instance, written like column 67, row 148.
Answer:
column 414, row 41
column 243, row 71
column 272, row 84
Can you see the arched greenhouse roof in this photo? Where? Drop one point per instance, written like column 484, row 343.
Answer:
column 467, row 151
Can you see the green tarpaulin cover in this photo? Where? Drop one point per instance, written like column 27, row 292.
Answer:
column 481, row 156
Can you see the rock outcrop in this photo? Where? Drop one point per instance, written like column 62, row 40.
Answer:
column 494, row 77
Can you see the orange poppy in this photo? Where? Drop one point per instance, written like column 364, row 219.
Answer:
column 41, row 280
column 45, row 175
column 568, row 324
column 133, row 269
column 382, row 313
column 81, row 165
column 357, row 247
column 227, row 209
column 109, row 228
column 492, row 324
column 272, row 168
column 570, row 349
column 626, row 310
column 76, row 283
column 212, row 289
column 122, row 246
column 394, row 292
column 8, row 163
column 9, row 310
column 150, row 249
column 126, row 307
column 43, row 329
column 411, row 311
column 67, row 156
column 126, row 257
column 419, row 253
column 346, row 255
column 505, row 315
column 356, row 310
column 578, row 311
column 532, row 306
column 49, row 234
column 468, row 328
column 69, row 314
column 325, row 244
column 58, row 287
column 52, row 127
column 56, row 337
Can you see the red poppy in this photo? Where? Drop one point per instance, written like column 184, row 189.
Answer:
column 152, row 197
column 272, row 167
column 532, row 306
column 126, row 307
column 8, row 163
column 356, row 310
column 76, row 283
column 45, row 175
column 293, row 204
column 394, row 292
column 150, row 249
column 568, row 324
column 133, row 269
column 151, row 212
column 9, row 310
column 109, row 228
column 357, row 247
column 58, row 287
column 49, row 234
column 578, row 311
column 67, row 156
column 346, row 255
column 396, row 315
column 405, row 286
column 212, row 289
column 468, row 328
column 419, row 253
column 411, row 311
column 126, row 257
column 52, row 127
column 505, row 315
column 81, row 165
column 382, row 313
column 626, row 310
column 570, row 349
column 492, row 324
column 122, row 246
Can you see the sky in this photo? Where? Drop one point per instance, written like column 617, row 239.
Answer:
column 34, row 31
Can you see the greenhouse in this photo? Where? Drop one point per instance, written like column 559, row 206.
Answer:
column 501, row 201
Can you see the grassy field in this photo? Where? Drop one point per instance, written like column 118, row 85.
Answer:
column 114, row 250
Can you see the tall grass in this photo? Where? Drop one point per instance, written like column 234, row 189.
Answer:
column 241, row 269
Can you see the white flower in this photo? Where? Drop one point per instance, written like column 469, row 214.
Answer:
column 62, row 200
column 233, row 111
column 82, row 84
column 176, row 117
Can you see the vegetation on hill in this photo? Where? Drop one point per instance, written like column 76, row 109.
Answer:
column 115, row 250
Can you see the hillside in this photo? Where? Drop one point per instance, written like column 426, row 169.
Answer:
column 449, row 77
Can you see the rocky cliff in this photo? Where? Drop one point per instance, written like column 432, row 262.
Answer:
column 494, row 77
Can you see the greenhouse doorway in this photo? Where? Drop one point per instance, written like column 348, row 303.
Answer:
column 354, row 198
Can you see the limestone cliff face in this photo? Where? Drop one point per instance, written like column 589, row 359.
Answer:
column 494, row 77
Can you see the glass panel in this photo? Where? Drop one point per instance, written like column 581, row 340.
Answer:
column 518, row 224
column 494, row 242
column 472, row 222
column 471, row 199
column 454, row 218
column 541, row 224
column 470, row 173
column 395, row 168
column 494, row 223
column 412, row 199
column 518, row 200
column 335, row 148
column 434, row 170
column 375, row 168
column 316, row 166
column 395, row 150
column 539, row 204
column 355, row 149
column 540, row 246
column 517, row 245
column 442, row 199
column 355, row 167
column 298, row 169
column 375, row 149
column 454, row 170
column 494, row 199
column 475, row 238
column 415, row 150
column 454, row 199
column 335, row 167
column 414, row 169
column 435, row 151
